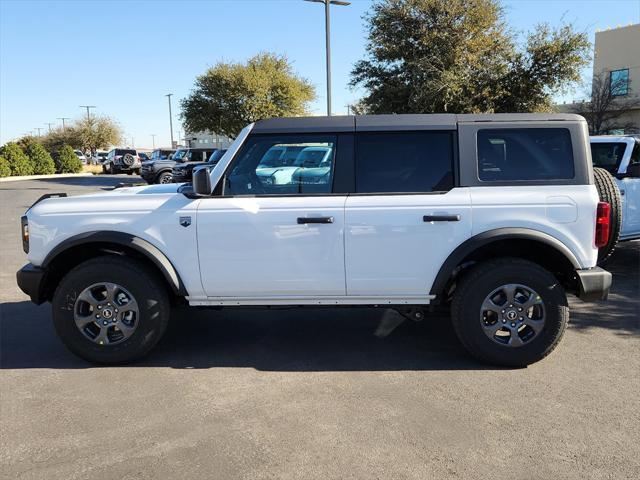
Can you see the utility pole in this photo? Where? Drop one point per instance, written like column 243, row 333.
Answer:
column 153, row 140
column 327, row 31
column 168, row 95
column 88, row 107
column 63, row 119
column 38, row 129
column 49, row 125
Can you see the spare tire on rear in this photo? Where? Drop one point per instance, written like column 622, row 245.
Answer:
column 608, row 192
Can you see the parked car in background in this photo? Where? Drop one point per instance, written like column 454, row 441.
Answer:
column 122, row 160
column 81, row 156
column 99, row 157
column 617, row 174
column 144, row 156
column 183, row 172
column 161, row 170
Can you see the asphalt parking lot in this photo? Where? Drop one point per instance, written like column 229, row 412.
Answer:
column 313, row 393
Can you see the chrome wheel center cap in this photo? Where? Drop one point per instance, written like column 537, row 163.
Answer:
column 107, row 313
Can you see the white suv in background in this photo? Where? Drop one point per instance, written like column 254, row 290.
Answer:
column 494, row 216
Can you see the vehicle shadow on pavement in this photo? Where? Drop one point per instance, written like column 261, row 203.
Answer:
column 308, row 339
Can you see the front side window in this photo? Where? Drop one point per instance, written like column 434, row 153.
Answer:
column 407, row 162
column 282, row 165
column 608, row 155
column 619, row 82
column 524, row 154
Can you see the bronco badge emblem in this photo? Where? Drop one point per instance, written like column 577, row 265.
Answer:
column 185, row 221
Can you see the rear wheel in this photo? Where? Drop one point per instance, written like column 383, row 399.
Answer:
column 609, row 192
column 110, row 310
column 509, row 312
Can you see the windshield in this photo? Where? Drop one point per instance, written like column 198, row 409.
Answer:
column 122, row 151
column 180, row 154
column 608, row 155
column 216, row 156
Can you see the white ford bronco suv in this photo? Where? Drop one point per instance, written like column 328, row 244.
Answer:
column 495, row 217
column 616, row 161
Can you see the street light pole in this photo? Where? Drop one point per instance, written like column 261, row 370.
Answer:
column 88, row 107
column 38, row 129
column 63, row 125
column 327, row 31
column 48, row 125
column 168, row 95
column 153, row 140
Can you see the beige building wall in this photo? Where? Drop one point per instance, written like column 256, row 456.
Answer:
column 619, row 49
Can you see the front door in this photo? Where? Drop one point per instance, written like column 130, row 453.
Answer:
column 277, row 231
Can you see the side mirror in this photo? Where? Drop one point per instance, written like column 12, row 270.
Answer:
column 202, row 182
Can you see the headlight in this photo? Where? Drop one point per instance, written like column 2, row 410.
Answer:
column 24, row 222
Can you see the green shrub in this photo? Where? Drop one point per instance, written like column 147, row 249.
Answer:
column 19, row 163
column 67, row 161
column 5, row 170
column 40, row 158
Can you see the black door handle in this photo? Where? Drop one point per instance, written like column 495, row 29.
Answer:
column 302, row 220
column 441, row 218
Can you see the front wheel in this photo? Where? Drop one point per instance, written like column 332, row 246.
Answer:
column 165, row 177
column 110, row 310
column 509, row 312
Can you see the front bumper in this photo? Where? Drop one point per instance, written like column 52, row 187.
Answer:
column 593, row 284
column 31, row 281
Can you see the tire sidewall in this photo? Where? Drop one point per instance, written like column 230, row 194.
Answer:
column 555, row 309
column 153, row 312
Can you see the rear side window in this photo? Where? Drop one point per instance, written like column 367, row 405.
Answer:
column 608, row 155
column 408, row 162
column 524, row 154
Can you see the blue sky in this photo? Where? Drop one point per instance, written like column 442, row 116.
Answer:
column 123, row 56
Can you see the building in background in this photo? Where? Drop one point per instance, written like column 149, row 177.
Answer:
column 614, row 106
column 206, row 139
column 616, row 57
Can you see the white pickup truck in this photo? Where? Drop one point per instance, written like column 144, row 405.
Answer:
column 618, row 159
column 494, row 216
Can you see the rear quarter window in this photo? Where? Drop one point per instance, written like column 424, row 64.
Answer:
column 513, row 154
column 608, row 155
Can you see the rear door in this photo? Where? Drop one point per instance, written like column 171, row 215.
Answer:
column 405, row 216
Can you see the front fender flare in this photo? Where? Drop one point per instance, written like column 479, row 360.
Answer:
column 148, row 250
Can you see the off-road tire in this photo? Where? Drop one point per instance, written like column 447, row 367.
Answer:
column 162, row 178
column 147, row 289
column 609, row 192
column 484, row 278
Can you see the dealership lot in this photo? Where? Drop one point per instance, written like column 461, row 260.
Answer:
column 312, row 393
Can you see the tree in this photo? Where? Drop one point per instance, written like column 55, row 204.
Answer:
column 67, row 161
column 40, row 158
column 228, row 96
column 18, row 162
column 86, row 133
column 606, row 110
column 459, row 56
column 5, row 169
column 96, row 132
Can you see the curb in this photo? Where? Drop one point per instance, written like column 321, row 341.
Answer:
column 37, row 177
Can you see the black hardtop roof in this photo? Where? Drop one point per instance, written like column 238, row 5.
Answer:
column 435, row 121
